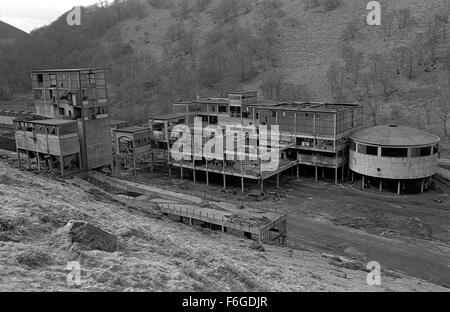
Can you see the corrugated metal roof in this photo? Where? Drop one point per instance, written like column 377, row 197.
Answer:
column 394, row 135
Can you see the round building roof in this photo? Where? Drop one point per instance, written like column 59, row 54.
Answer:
column 394, row 135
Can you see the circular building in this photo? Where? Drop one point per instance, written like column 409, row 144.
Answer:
column 394, row 154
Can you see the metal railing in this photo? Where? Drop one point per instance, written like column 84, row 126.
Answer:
column 208, row 217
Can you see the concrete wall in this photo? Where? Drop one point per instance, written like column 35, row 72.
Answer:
column 98, row 142
column 44, row 109
column 393, row 167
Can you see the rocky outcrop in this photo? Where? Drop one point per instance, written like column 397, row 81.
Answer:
column 91, row 237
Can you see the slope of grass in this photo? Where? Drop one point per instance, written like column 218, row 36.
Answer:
column 154, row 254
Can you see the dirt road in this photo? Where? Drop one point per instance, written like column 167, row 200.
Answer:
column 419, row 261
column 311, row 207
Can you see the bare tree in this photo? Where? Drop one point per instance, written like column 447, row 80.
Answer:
column 404, row 18
column 373, row 107
column 351, row 30
column 381, row 73
column 398, row 59
column 441, row 21
column 442, row 110
column 388, row 25
column 428, row 105
column 335, row 77
column 272, row 84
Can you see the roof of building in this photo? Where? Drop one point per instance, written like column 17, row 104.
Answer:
column 220, row 101
column 133, row 129
column 116, row 122
column 309, row 106
column 243, row 92
column 54, row 122
column 394, row 135
column 168, row 116
column 61, row 70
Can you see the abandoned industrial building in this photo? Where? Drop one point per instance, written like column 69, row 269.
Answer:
column 312, row 135
column 393, row 153
column 71, row 130
column 81, row 95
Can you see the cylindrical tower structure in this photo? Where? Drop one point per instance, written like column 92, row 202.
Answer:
column 392, row 152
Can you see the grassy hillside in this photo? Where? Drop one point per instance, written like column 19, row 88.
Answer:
column 154, row 254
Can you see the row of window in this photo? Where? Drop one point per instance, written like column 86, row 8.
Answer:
column 46, row 129
column 69, row 80
column 395, row 152
column 88, row 94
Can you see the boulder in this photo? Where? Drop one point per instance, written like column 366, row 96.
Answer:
column 91, row 237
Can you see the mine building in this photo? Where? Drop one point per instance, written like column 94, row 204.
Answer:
column 319, row 133
column 314, row 135
column 393, row 154
column 7, row 136
column 51, row 142
column 132, row 148
column 81, row 95
column 161, row 126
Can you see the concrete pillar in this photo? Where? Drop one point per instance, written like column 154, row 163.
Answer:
column 195, row 180
column 29, row 160
column 207, row 173
column 362, row 183
column 39, row 162
column 317, row 175
column 18, row 157
column 399, row 187
column 80, row 164
column 336, row 176
column 381, row 185
column 422, row 185
column 224, row 176
column 298, row 172
column 190, row 221
column 170, row 171
column 153, row 162
column 242, row 176
column 134, row 162
column 61, row 164
column 262, row 185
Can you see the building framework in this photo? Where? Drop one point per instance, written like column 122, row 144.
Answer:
column 311, row 134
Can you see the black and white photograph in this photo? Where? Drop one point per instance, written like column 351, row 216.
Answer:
column 216, row 152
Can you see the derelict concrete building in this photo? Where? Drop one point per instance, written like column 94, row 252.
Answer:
column 392, row 153
column 81, row 95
